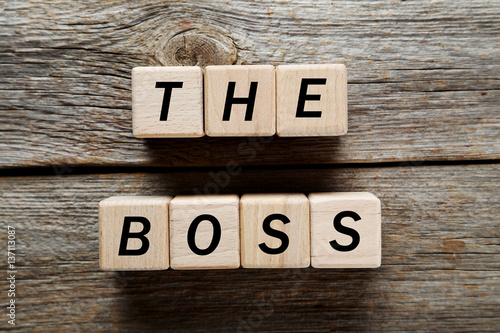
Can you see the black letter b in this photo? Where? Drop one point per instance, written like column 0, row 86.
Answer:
column 126, row 235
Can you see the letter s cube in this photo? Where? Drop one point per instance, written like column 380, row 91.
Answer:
column 345, row 230
column 274, row 231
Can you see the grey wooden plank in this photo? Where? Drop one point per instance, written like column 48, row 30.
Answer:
column 440, row 267
column 423, row 77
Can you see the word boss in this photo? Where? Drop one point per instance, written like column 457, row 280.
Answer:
column 253, row 100
column 325, row 230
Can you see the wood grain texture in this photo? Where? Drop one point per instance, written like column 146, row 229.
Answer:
column 184, row 209
column 423, row 76
column 440, row 271
column 422, row 85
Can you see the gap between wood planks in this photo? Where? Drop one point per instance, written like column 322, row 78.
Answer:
column 61, row 169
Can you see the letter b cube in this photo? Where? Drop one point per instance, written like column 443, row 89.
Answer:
column 133, row 233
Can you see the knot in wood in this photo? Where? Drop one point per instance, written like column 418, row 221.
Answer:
column 195, row 47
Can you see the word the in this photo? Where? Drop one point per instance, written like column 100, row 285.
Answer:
column 258, row 100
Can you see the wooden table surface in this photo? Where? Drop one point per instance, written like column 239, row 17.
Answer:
column 424, row 136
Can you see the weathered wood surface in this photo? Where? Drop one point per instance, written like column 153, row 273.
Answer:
column 423, row 77
column 440, row 265
column 423, row 86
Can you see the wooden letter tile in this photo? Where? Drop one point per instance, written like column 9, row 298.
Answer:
column 345, row 230
column 204, row 232
column 274, row 231
column 311, row 100
column 133, row 233
column 240, row 100
column 167, row 102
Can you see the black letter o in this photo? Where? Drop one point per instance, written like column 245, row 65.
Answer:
column 192, row 232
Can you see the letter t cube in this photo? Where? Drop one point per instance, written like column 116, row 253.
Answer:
column 167, row 102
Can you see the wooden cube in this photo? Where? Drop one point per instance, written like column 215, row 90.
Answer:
column 311, row 100
column 133, row 233
column 274, row 231
column 345, row 230
column 167, row 102
column 204, row 232
column 240, row 100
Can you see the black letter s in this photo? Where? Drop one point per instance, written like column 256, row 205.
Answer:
column 337, row 224
column 266, row 225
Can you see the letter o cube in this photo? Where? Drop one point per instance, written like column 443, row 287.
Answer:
column 204, row 232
